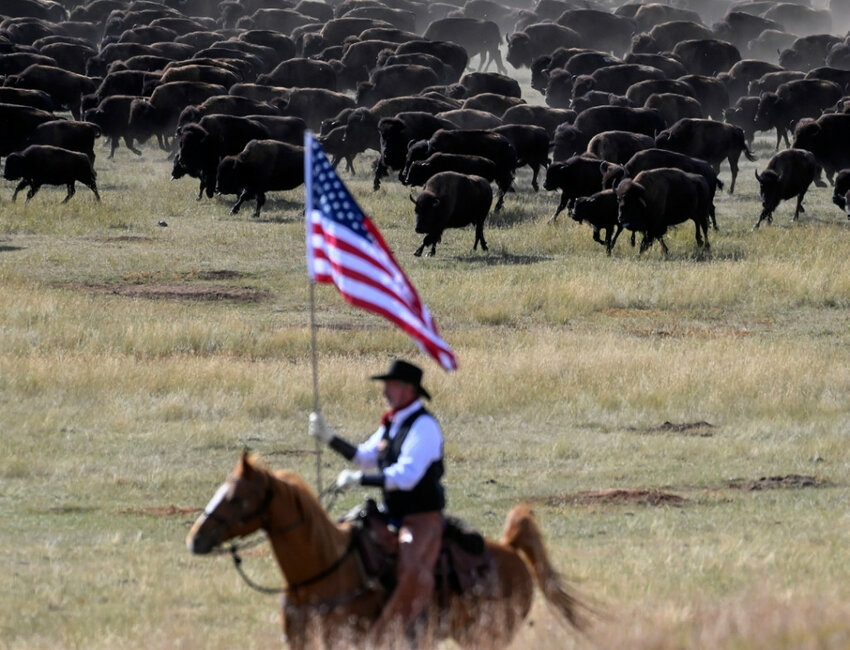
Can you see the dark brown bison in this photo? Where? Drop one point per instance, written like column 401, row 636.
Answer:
column 577, row 176
column 262, row 166
column 478, row 37
column 600, row 211
column 828, row 138
column 657, row 199
column 451, row 200
column 709, row 140
column 42, row 164
column 788, row 174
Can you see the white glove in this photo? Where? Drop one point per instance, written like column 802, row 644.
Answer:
column 348, row 477
column 319, row 429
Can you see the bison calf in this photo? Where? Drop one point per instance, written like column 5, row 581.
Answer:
column 43, row 164
column 600, row 211
column 789, row 173
column 451, row 200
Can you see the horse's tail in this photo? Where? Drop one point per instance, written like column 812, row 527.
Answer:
column 522, row 534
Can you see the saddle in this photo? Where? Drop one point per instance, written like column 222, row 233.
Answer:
column 465, row 565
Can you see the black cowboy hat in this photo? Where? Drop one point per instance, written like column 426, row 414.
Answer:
column 406, row 372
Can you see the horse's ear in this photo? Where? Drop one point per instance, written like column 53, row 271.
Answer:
column 245, row 468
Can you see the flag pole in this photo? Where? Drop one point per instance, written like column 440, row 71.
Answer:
column 314, row 352
column 315, row 360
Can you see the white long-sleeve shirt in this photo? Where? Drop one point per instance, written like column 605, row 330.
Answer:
column 422, row 446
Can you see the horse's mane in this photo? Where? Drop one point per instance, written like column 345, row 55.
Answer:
column 305, row 499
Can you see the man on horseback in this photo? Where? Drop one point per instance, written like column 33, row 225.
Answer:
column 405, row 459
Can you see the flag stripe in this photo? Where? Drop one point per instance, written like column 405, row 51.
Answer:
column 345, row 248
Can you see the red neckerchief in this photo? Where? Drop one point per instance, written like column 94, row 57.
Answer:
column 389, row 414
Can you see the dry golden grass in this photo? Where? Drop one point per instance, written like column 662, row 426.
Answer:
column 136, row 361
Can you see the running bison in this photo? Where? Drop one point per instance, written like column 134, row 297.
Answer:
column 43, row 164
column 262, row 166
column 656, row 199
column 709, row 140
column 451, row 200
column 788, row 174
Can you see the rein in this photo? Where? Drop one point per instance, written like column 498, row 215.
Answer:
column 234, row 549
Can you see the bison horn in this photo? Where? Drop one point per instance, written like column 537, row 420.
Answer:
column 756, row 172
column 412, row 200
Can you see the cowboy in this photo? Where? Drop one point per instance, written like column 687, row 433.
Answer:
column 404, row 458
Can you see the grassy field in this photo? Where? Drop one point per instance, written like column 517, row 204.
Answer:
column 635, row 401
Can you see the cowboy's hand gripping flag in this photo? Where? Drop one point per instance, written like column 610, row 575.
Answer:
column 345, row 248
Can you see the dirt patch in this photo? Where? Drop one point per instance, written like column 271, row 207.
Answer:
column 202, row 293
column 614, row 496
column 161, row 511
column 123, row 239
column 177, row 291
column 223, row 274
column 789, row 481
column 701, row 428
column 297, row 453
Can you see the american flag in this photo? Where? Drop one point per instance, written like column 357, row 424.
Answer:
column 345, row 248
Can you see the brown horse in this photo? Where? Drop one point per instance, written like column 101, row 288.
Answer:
column 331, row 603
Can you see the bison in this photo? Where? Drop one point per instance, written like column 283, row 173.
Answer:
column 262, row 166
column 707, row 139
column 43, row 164
column 451, row 200
column 600, row 211
column 659, row 198
column 788, row 174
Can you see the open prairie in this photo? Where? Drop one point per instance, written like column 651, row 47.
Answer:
column 679, row 424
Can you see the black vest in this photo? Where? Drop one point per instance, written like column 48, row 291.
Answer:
column 428, row 494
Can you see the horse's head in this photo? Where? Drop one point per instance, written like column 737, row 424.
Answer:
column 239, row 507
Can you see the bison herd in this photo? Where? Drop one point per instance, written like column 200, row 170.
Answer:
column 644, row 101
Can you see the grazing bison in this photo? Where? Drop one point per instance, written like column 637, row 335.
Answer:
column 709, row 140
column 262, row 166
column 577, row 176
column 788, row 174
column 451, row 200
column 43, row 164
column 600, row 211
column 656, row 199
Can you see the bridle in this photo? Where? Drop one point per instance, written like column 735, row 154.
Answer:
column 260, row 512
